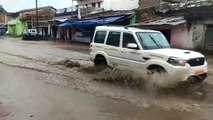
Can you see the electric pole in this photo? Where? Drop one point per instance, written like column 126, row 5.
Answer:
column 72, row 22
column 37, row 16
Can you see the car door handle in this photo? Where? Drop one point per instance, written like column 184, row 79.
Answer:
column 123, row 51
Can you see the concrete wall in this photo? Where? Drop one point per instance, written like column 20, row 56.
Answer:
column 112, row 4
column 198, row 35
column 180, row 37
column 191, row 37
column 120, row 4
column 148, row 3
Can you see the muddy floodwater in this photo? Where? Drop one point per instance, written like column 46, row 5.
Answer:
column 32, row 87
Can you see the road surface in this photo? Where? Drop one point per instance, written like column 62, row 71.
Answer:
column 31, row 88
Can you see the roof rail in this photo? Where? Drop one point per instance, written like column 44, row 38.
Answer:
column 115, row 25
column 125, row 27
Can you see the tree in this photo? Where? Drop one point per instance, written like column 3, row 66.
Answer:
column 2, row 10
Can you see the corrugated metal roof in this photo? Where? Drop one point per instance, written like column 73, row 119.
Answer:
column 165, row 21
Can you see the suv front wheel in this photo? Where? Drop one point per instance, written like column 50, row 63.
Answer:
column 156, row 69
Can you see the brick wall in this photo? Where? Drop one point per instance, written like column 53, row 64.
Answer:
column 148, row 3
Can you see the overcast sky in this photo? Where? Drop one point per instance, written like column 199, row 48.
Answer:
column 16, row 5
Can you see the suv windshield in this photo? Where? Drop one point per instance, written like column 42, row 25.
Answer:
column 152, row 40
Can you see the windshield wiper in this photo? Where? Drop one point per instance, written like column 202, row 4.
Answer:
column 159, row 46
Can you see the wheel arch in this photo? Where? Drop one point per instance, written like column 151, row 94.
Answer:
column 154, row 66
column 103, row 56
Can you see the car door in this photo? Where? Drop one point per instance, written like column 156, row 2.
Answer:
column 131, row 56
column 112, row 46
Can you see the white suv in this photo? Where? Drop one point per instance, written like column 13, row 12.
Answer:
column 32, row 32
column 147, row 49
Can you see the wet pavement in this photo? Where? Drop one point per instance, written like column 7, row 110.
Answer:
column 33, row 89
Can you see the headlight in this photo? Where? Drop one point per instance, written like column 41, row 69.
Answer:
column 177, row 61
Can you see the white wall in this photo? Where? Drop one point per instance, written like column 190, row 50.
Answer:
column 120, row 4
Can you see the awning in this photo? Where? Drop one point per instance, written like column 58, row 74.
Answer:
column 65, row 24
column 94, row 21
column 110, row 19
column 62, row 20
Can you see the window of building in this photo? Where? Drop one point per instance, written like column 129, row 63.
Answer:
column 100, row 36
column 99, row 4
column 60, row 11
column 93, row 4
column 113, row 39
column 70, row 9
column 128, row 38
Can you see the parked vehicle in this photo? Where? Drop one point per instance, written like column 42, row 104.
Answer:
column 32, row 34
column 147, row 49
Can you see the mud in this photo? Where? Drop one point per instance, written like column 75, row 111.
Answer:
column 67, row 63
column 145, row 99
column 3, row 112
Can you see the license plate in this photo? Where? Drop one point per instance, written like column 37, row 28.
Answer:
column 199, row 72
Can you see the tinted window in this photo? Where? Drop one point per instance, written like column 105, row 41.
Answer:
column 113, row 39
column 128, row 38
column 100, row 36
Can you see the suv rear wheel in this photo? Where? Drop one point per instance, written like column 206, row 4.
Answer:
column 100, row 61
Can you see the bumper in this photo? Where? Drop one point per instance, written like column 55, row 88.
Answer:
column 197, row 78
column 187, row 72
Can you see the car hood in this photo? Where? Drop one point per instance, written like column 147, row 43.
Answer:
column 169, row 52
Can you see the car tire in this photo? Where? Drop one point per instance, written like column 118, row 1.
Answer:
column 100, row 61
column 156, row 69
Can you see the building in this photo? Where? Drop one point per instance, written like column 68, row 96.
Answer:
column 94, row 6
column 61, row 16
column 3, row 20
column 16, row 26
column 185, row 24
column 78, row 23
column 44, row 15
column 23, row 20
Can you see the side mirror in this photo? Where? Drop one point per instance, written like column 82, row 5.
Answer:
column 132, row 46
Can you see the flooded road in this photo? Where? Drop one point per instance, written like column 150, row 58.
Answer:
column 26, row 97
column 31, row 88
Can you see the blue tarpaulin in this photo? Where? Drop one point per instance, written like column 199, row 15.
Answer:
column 94, row 21
column 65, row 24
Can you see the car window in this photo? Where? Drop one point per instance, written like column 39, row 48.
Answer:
column 113, row 39
column 128, row 38
column 100, row 36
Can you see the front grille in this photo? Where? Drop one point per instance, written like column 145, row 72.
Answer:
column 196, row 61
